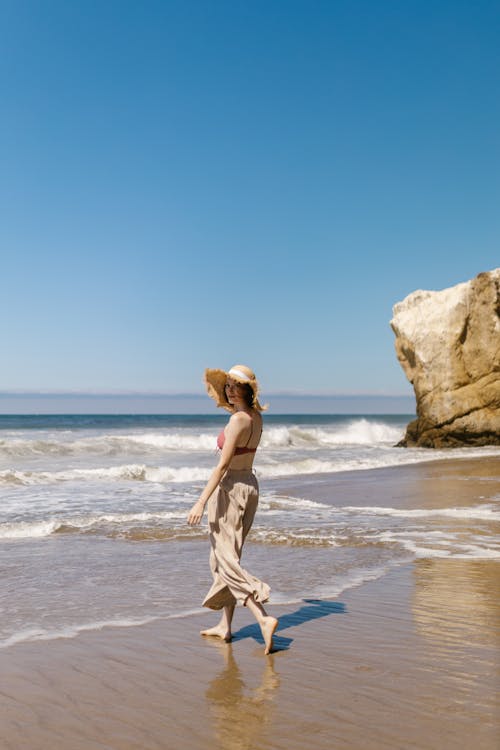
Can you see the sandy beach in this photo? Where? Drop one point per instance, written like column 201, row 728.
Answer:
column 410, row 660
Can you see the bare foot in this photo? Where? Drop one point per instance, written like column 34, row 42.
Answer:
column 218, row 632
column 268, row 627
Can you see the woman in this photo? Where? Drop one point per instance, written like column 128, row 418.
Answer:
column 232, row 508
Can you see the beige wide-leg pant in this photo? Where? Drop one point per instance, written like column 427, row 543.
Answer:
column 231, row 511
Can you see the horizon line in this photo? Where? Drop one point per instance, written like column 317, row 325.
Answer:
column 187, row 394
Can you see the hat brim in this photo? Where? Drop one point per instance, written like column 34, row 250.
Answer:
column 215, row 381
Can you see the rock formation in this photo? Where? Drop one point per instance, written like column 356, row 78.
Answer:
column 448, row 344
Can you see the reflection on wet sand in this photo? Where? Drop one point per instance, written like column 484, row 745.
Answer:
column 241, row 710
column 456, row 609
column 457, row 601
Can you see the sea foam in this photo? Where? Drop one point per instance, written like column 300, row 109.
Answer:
column 34, row 529
column 480, row 512
column 128, row 472
column 357, row 432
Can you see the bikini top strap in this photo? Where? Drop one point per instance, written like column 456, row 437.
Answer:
column 251, row 433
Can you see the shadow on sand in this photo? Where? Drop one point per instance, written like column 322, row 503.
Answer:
column 314, row 609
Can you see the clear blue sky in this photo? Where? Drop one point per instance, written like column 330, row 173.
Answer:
column 195, row 183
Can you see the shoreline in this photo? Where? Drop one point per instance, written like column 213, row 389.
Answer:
column 477, row 468
column 491, row 459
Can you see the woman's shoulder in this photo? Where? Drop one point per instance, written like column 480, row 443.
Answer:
column 240, row 418
column 244, row 418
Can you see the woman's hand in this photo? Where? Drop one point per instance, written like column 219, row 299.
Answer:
column 196, row 513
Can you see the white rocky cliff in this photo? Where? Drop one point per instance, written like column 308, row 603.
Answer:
column 448, row 344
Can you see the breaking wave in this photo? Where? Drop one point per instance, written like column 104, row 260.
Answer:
column 108, row 445
column 356, row 432
column 88, row 523
column 129, row 472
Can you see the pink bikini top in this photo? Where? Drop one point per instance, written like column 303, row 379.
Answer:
column 221, row 438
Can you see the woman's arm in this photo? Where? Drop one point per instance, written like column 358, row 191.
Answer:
column 236, row 426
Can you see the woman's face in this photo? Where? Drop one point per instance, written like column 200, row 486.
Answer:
column 233, row 391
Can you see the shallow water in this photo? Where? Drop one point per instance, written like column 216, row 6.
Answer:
column 93, row 516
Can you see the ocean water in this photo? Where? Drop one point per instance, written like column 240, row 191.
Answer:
column 93, row 515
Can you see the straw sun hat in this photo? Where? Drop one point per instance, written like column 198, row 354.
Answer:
column 216, row 382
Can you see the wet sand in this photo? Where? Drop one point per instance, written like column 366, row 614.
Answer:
column 408, row 661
